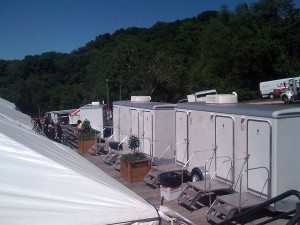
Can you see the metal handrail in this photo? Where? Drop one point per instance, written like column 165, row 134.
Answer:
column 246, row 160
column 267, row 181
column 185, row 153
column 192, row 156
column 263, row 205
column 111, row 136
column 169, row 147
column 151, row 143
column 121, row 144
column 215, row 173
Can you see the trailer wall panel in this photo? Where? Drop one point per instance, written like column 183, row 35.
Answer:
column 164, row 131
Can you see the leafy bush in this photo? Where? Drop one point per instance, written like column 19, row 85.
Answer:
column 133, row 143
column 133, row 157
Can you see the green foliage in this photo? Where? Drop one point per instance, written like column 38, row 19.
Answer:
column 86, row 131
column 86, row 126
column 228, row 51
column 133, row 157
column 133, row 143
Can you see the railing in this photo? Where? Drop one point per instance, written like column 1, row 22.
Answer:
column 159, row 158
column 151, row 144
column 241, row 171
column 263, row 205
column 261, row 193
column 228, row 159
column 192, row 156
column 185, row 152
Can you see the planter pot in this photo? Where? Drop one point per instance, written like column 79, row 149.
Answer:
column 135, row 171
column 170, row 193
column 85, row 144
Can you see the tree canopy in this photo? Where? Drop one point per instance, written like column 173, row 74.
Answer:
column 225, row 50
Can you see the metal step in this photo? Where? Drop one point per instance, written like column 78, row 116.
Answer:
column 213, row 218
column 190, row 192
column 152, row 178
column 117, row 165
column 184, row 201
column 221, row 209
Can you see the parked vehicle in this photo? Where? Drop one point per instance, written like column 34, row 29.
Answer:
column 292, row 91
column 273, row 88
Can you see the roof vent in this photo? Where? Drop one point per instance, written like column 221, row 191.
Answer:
column 222, row 98
column 140, row 98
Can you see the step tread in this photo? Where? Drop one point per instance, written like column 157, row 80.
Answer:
column 221, row 209
column 213, row 218
column 184, row 201
column 190, row 192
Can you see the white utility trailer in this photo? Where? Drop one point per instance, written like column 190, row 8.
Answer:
column 151, row 122
column 259, row 140
column 59, row 116
column 96, row 114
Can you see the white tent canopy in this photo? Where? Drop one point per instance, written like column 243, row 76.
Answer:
column 43, row 182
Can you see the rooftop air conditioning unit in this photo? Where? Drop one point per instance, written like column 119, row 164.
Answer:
column 140, row 98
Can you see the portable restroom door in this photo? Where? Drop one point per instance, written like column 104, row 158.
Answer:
column 147, row 133
column 134, row 122
column 116, row 123
column 224, row 143
column 181, row 133
column 259, row 149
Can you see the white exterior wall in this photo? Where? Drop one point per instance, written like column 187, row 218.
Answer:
column 286, row 155
column 159, row 129
column 201, row 137
column 125, row 123
column 164, row 135
column 116, row 123
column 94, row 115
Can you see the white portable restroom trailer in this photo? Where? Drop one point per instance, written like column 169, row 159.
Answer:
column 96, row 114
column 59, row 116
column 269, row 134
column 151, row 122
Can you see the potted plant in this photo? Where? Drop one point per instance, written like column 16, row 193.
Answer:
column 86, row 137
column 135, row 165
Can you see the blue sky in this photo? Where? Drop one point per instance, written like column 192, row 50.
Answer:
column 29, row 27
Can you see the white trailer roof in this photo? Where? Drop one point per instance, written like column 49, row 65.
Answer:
column 63, row 112
column 269, row 111
column 145, row 105
column 92, row 106
column 43, row 182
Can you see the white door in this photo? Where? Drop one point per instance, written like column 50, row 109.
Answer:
column 135, row 122
column 116, row 123
column 147, row 133
column 181, row 133
column 224, row 143
column 259, row 149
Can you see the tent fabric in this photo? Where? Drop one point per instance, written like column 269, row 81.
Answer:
column 44, row 182
column 7, row 103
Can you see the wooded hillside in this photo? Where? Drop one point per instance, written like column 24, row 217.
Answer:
column 224, row 50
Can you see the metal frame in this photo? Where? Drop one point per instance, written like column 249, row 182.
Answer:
column 118, row 126
column 269, row 191
column 187, row 135
column 233, row 145
column 134, row 109
column 151, row 139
